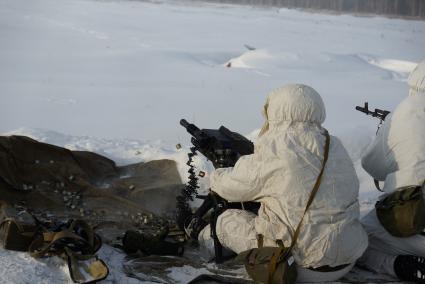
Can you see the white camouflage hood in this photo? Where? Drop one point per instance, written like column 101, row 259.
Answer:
column 293, row 103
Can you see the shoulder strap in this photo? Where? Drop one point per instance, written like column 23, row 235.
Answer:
column 315, row 189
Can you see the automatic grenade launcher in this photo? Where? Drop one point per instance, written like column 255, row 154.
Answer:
column 221, row 146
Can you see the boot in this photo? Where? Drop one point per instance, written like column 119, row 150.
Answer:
column 410, row 268
column 193, row 226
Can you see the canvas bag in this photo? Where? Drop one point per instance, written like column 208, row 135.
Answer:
column 402, row 213
column 17, row 229
column 276, row 265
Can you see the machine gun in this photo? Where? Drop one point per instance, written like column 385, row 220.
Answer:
column 223, row 148
column 379, row 113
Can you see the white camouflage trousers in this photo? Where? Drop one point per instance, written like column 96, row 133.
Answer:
column 383, row 247
column 236, row 232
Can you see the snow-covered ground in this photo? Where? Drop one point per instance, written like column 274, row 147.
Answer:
column 132, row 69
column 115, row 77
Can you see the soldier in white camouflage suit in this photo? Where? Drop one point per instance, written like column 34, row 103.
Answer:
column 280, row 175
column 397, row 156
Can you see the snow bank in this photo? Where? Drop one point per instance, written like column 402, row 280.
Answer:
column 249, row 59
column 399, row 69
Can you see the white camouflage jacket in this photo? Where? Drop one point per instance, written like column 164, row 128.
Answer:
column 281, row 174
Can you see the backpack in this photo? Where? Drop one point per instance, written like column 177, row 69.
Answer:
column 402, row 213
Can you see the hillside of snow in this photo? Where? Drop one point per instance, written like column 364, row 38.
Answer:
column 133, row 69
column 115, row 77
